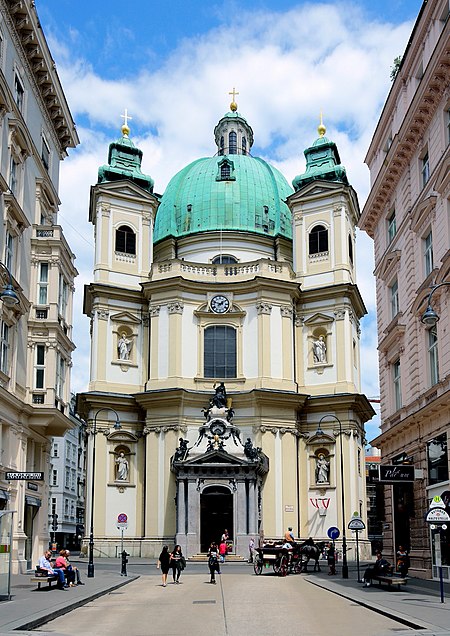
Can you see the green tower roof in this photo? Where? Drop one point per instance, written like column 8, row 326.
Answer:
column 322, row 162
column 124, row 162
column 229, row 192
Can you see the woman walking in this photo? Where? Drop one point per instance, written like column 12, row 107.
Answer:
column 177, row 563
column 164, row 564
column 213, row 561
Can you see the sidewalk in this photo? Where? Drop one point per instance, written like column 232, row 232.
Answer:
column 416, row 606
column 29, row 607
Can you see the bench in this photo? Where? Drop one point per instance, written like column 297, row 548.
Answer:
column 51, row 578
column 389, row 580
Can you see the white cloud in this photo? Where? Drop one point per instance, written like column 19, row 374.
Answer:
column 287, row 67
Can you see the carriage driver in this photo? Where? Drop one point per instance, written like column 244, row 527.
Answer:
column 289, row 537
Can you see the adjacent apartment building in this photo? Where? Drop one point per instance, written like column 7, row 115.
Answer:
column 36, row 129
column 408, row 216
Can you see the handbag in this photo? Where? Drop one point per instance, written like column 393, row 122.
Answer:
column 182, row 562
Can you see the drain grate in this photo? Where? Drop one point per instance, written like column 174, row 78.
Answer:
column 203, row 602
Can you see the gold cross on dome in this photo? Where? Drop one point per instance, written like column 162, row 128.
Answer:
column 126, row 117
column 233, row 93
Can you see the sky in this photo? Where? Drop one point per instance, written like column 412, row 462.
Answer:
column 172, row 65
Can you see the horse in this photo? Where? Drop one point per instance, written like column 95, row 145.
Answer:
column 312, row 552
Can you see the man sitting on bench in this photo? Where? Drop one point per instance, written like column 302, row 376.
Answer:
column 44, row 564
column 381, row 567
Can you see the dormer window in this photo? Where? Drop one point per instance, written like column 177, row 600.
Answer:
column 224, row 259
column 232, row 143
column 226, row 171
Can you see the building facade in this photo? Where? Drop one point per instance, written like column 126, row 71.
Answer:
column 36, row 129
column 408, row 216
column 225, row 344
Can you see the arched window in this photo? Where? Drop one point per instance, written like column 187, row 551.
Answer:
column 350, row 249
column 125, row 240
column 224, row 259
column 318, row 240
column 232, row 142
column 244, row 146
column 225, row 171
column 220, row 352
column 222, row 146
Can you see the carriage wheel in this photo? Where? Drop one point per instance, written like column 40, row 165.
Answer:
column 258, row 565
column 298, row 567
column 284, row 565
column 276, row 565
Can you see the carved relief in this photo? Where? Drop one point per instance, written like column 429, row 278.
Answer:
column 263, row 308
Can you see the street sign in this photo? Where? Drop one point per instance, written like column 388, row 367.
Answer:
column 437, row 515
column 13, row 475
column 437, row 503
column 122, row 518
column 333, row 533
column 356, row 523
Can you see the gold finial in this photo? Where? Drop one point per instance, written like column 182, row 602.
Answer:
column 125, row 127
column 321, row 128
column 233, row 105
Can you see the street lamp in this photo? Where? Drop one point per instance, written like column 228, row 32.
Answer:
column 7, row 293
column 430, row 317
column 344, row 539
column 94, row 432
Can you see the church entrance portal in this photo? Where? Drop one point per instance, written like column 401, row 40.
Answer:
column 216, row 514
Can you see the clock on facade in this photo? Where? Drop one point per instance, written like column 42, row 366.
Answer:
column 219, row 304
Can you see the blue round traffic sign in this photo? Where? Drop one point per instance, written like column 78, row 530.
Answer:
column 333, row 533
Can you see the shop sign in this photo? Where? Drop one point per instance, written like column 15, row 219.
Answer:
column 395, row 474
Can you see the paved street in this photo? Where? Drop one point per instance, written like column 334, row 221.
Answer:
column 238, row 604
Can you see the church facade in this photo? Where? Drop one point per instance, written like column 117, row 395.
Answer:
column 225, row 364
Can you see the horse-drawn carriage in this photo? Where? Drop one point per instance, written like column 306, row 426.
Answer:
column 287, row 560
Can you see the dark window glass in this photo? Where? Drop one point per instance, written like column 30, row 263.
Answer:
column 318, row 240
column 244, row 146
column 437, row 459
column 222, row 145
column 224, row 259
column 220, row 352
column 125, row 240
column 232, row 142
column 350, row 249
column 225, row 171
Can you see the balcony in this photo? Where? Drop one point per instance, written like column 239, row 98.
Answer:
column 221, row 273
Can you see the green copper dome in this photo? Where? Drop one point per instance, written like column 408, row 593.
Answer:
column 231, row 191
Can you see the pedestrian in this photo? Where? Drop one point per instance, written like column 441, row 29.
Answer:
column 213, row 561
column 44, row 564
column 380, row 567
column 225, row 536
column 72, row 568
column 251, row 549
column 164, row 564
column 331, row 559
column 176, row 563
column 223, row 551
column 402, row 561
column 289, row 536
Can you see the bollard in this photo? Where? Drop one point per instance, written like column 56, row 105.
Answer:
column 124, row 563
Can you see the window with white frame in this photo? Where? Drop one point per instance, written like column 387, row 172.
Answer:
column 54, row 477
column 66, row 507
column 67, row 478
column 60, row 376
column 39, row 366
column 318, row 240
column 220, row 352
column 73, row 479
column 425, row 168
column 62, row 296
column 396, row 378
column 19, row 92
column 392, row 226
column 4, row 348
column 53, row 506
column 394, row 298
column 433, row 355
column 45, row 153
column 9, row 251
column 43, row 284
column 14, row 168
column 428, row 253
column 55, row 449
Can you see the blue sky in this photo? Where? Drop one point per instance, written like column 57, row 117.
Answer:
column 172, row 65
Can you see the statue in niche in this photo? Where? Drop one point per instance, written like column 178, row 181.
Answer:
column 322, row 470
column 320, row 350
column 124, row 347
column 121, row 467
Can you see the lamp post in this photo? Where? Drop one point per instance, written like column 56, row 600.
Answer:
column 7, row 293
column 430, row 317
column 94, row 432
column 344, row 539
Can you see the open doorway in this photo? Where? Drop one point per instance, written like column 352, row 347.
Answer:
column 216, row 514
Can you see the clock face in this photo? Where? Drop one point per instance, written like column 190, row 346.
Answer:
column 219, row 304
